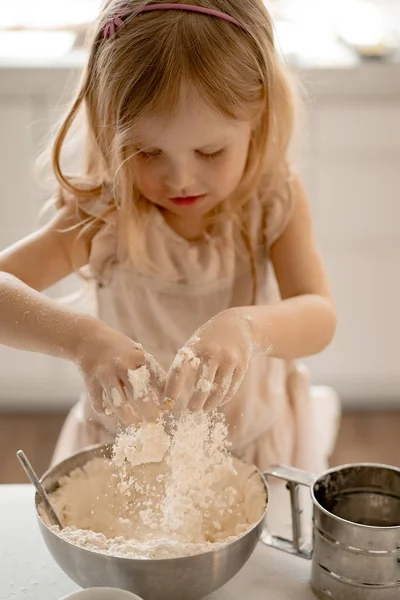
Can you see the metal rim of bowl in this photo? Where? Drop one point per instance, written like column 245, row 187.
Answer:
column 102, row 589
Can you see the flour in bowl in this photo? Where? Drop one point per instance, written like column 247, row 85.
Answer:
column 180, row 494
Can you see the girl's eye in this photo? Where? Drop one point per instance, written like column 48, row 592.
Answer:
column 212, row 155
column 148, row 155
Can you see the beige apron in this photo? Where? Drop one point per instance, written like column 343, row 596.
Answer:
column 271, row 418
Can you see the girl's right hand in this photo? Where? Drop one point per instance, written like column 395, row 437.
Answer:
column 121, row 378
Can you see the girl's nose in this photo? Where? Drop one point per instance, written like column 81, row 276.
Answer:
column 180, row 178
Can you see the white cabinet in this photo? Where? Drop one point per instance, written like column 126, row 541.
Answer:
column 352, row 172
column 360, row 201
column 27, row 379
column 18, row 212
column 16, row 151
column 357, row 129
column 356, row 190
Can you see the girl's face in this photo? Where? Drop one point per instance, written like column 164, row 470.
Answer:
column 190, row 161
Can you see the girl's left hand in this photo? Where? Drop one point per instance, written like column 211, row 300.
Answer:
column 212, row 364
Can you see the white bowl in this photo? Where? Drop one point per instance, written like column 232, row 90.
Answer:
column 102, row 593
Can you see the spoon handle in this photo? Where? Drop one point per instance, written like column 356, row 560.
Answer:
column 39, row 488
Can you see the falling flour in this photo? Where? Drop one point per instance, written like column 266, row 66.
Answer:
column 161, row 495
column 142, row 445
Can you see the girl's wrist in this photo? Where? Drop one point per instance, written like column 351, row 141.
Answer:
column 257, row 321
column 85, row 332
column 242, row 315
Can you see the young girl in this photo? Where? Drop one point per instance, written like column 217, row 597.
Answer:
column 194, row 229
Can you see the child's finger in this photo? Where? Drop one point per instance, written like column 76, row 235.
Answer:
column 116, row 403
column 237, row 378
column 157, row 387
column 176, row 380
column 95, row 391
column 221, row 387
column 132, row 404
column 143, row 397
column 148, row 407
column 106, row 403
column 123, row 375
column 203, row 386
column 157, row 374
column 123, row 408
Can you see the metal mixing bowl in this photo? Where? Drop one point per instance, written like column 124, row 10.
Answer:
column 182, row 578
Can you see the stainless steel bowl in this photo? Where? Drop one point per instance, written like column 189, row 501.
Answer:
column 182, row 578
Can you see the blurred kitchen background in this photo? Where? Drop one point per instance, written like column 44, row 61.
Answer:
column 346, row 53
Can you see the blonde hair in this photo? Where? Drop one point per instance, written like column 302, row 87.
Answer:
column 144, row 68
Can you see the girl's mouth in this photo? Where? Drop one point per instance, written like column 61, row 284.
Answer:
column 186, row 200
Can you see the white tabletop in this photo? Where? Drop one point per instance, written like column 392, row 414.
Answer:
column 28, row 572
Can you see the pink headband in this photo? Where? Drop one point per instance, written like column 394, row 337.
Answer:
column 117, row 21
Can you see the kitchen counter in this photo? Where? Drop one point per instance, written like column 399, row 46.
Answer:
column 375, row 79
column 28, row 571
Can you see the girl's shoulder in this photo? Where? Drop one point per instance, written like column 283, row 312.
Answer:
column 91, row 213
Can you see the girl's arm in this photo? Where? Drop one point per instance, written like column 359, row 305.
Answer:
column 31, row 321
column 304, row 322
column 28, row 319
